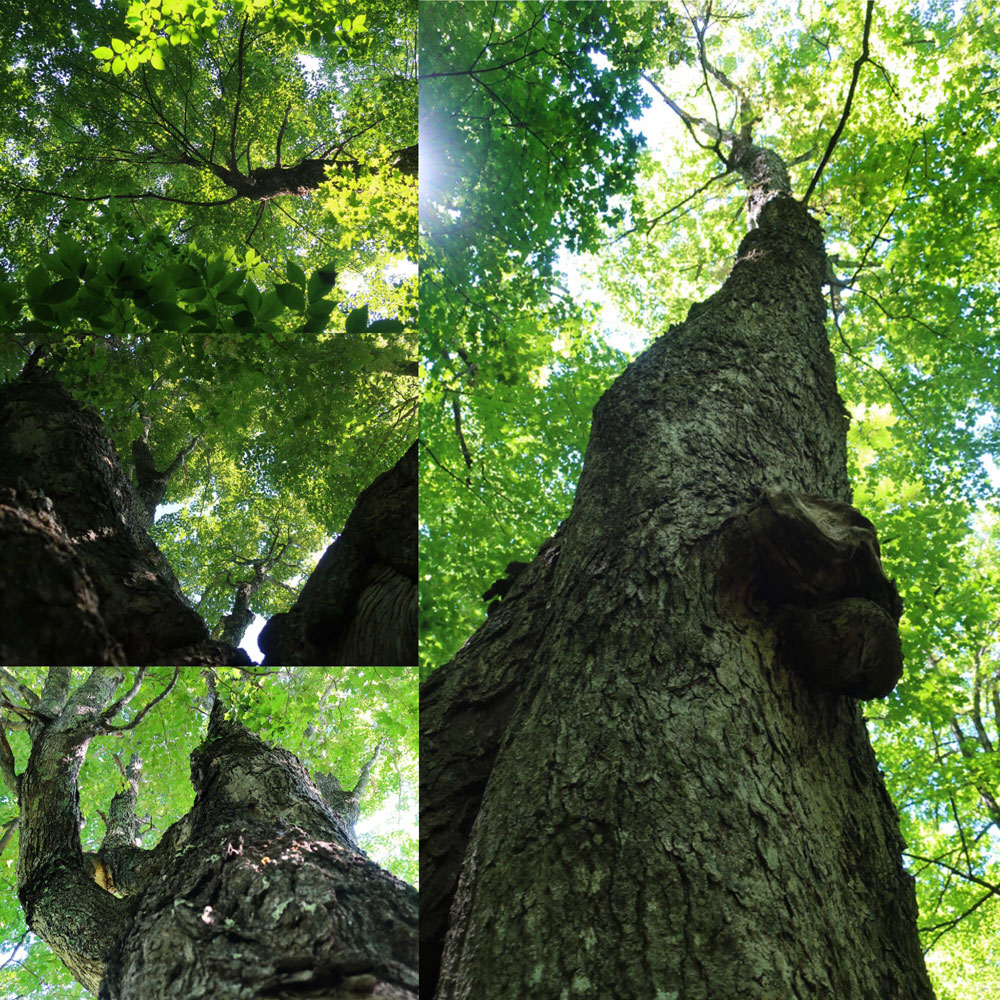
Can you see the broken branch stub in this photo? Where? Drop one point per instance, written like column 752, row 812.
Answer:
column 816, row 566
column 813, row 550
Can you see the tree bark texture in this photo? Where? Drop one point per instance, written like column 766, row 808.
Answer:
column 260, row 890
column 647, row 774
column 81, row 580
column 359, row 606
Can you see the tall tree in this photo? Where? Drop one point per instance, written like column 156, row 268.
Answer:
column 114, row 744
column 649, row 770
column 254, row 370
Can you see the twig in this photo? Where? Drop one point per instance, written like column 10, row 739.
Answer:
column 835, row 138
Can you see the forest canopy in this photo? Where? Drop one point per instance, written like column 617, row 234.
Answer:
column 579, row 206
column 331, row 719
column 208, row 235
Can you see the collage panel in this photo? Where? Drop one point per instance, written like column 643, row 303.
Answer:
column 208, row 333
column 176, row 832
column 710, row 468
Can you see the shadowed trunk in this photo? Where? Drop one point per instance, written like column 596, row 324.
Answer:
column 81, row 580
column 299, row 180
column 359, row 606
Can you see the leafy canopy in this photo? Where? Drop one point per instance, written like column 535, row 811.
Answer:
column 218, row 253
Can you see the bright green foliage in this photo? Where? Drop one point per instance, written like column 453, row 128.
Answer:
column 279, row 333
column 910, row 204
column 523, row 147
column 330, row 718
column 158, row 24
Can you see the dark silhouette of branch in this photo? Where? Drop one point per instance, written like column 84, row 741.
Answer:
column 281, row 133
column 239, row 92
column 835, row 138
column 128, row 197
column 457, row 410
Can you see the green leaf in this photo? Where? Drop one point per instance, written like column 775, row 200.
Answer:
column 103, row 52
column 170, row 315
column 315, row 324
column 295, row 274
column 243, row 319
column 117, row 66
column 357, row 320
column 291, row 296
column 251, row 296
column 188, row 277
column 71, row 257
column 41, row 311
column 270, row 306
column 386, row 326
column 156, row 60
column 215, row 271
column 36, row 282
column 321, row 307
column 319, row 284
column 118, row 45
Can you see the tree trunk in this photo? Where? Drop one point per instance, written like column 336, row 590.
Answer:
column 647, row 775
column 81, row 580
column 302, row 178
column 259, row 890
column 234, row 625
column 151, row 483
column 359, row 606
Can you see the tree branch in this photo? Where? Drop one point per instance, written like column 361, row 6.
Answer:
column 239, row 93
column 835, row 138
column 128, row 197
column 281, row 133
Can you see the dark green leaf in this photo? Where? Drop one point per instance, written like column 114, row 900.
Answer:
column 60, row 291
column 386, row 326
column 291, row 296
column 357, row 320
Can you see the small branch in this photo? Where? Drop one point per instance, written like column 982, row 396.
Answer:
column 239, row 92
column 281, row 132
column 142, row 714
column 710, row 129
column 456, row 409
column 129, row 197
column 835, row 138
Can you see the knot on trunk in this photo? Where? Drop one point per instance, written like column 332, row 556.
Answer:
column 849, row 647
column 815, row 565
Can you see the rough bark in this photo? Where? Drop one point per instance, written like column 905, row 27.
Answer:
column 81, row 580
column 359, row 606
column 259, row 890
column 635, row 780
